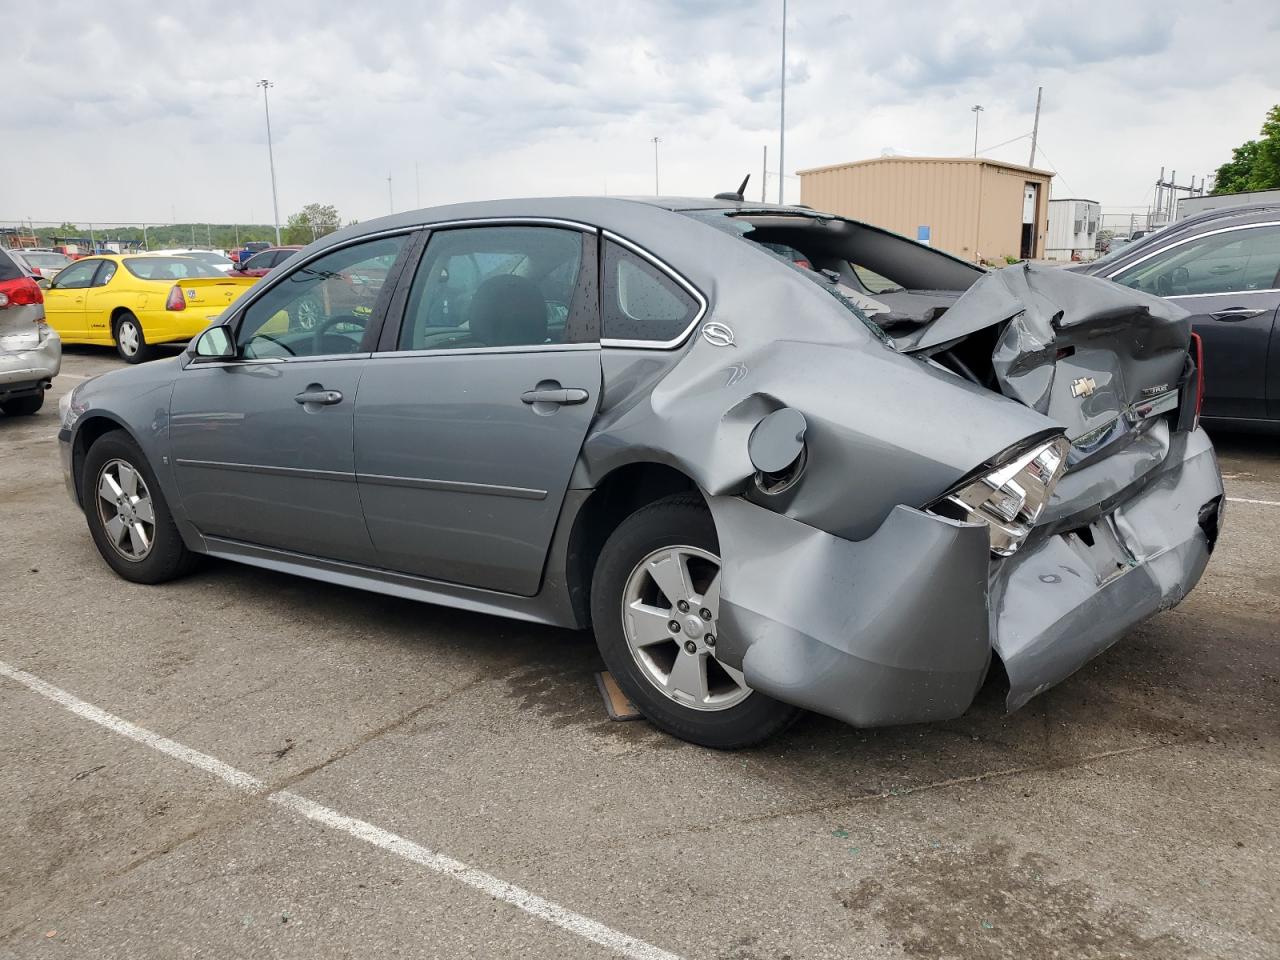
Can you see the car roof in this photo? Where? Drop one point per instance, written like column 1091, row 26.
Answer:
column 1243, row 214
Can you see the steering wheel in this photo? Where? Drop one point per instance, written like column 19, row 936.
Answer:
column 322, row 329
column 279, row 343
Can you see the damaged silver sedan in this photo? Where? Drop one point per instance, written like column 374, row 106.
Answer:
column 775, row 459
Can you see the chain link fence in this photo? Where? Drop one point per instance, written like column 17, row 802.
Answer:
column 124, row 236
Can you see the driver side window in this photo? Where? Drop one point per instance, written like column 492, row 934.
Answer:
column 321, row 307
column 1235, row 261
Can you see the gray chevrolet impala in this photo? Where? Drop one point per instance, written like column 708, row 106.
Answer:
column 775, row 459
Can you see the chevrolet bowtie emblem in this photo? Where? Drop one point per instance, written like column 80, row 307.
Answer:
column 1083, row 386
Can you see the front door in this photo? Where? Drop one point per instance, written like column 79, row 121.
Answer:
column 1229, row 280
column 263, row 445
column 468, row 428
column 64, row 300
column 99, row 301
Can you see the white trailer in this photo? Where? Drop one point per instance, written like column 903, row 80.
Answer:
column 1073, row 229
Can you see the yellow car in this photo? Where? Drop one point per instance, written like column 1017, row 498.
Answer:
column 134, row 301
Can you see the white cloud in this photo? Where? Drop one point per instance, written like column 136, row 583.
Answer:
column 125, row 112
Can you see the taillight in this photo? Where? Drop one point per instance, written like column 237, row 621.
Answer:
column 20, row 293
column 176, row 300
column 1198, row 346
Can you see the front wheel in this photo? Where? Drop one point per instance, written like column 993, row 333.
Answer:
column 131, row 344
column 128, row 516
column 655, row 603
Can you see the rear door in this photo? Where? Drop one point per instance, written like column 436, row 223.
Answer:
column 1229, row 280
column 469, row 422
column 64, row 299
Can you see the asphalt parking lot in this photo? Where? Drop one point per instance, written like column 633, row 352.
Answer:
column 1130, row 812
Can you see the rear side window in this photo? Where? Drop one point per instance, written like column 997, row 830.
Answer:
column 517, row 286
column 9, row 270
column 641, row 302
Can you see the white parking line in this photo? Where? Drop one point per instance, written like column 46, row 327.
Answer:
column 1264, row 503
column 508, row 893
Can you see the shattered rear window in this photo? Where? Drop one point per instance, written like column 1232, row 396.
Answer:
column 828, row 281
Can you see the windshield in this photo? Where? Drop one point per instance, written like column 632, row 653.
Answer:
column 168, row 268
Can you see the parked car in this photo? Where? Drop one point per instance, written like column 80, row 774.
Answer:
column 260, row 264
column 134, row 302
column 30, row 352
column 45, row 265
column 1222, row 266
column 637, row 417
column 248, row 250
column 210, row 257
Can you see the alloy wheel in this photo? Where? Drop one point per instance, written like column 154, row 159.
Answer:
column 126, row 510
column 670, row 613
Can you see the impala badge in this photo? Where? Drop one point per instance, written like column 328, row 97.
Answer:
column 717, row 334
column 1083, row 386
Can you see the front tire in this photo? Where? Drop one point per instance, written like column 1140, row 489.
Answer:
column 658, row 570
column 128, row 516
column 131, row 343
column 23, row 406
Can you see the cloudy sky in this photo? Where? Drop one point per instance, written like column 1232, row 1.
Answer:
column 139, row 110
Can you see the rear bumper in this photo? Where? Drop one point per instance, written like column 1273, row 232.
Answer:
column 900, row 627
column 25, row 371
column 176, row 326
column 1060, row 603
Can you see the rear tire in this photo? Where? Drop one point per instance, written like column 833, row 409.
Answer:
column 127, row 513
column 23, row 406
column 673, row 677
column 131, row 343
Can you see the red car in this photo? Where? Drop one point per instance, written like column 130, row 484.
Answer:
column 260, row 264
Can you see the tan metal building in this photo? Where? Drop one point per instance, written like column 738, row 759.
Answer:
column 972, row 207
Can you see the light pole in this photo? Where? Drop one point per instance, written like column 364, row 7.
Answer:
column 782, row 111
column 271, row 157
column 656, row 141
column 417, row 182
column 391, row 202
column 977, row 109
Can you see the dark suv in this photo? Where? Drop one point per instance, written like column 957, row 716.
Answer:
column 1222, row 266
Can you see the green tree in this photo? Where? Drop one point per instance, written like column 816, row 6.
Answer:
column 1255, row 164
column 311, row 222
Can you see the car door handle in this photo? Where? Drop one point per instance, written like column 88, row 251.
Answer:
column 319, row 396
column 561, row 395
column 1232, row 314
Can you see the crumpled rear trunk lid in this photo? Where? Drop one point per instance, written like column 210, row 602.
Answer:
column 1094, row 356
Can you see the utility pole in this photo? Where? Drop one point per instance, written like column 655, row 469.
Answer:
column 1035, row 128
column 656, row 141
column 417, row 182
column 193, row 236
column 977, row 109
column 271, row 157
column 764, row 172
column 782, row 111
column 146, row 245
column 390, row 198
column 208, row 235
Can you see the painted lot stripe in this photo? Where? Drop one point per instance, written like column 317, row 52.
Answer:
column 494, row 887
column 1264, row 503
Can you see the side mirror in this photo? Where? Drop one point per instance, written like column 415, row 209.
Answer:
column 216, row 343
